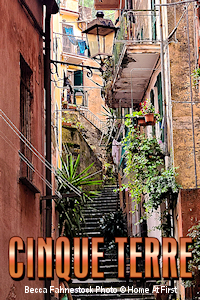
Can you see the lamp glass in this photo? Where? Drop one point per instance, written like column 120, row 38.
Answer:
column 101, row 45
column 93, row 44
column 109, row 41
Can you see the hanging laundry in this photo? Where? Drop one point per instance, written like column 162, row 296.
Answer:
column 82, row 46
column 116, row 151
column 70, row 33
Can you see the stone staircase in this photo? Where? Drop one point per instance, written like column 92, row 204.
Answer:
column 111, row 287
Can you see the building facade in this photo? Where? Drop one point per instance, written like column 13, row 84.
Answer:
column 22, row 146
column 156, row 53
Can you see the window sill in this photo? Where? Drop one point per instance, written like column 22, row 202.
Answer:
column 25, row 181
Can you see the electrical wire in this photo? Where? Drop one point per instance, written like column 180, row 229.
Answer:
column 37, row 153
column 28, row 163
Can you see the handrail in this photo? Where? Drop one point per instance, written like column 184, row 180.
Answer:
column 119, row 64
column 92, row 118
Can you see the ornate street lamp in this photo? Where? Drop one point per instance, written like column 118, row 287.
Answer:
column 100, row 35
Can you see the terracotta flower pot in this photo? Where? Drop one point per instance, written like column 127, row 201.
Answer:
column 67, row 124
column 149, row 118
column 70, row 106
column 141, row 121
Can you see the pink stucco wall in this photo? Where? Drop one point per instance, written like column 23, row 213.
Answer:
column 19, row 207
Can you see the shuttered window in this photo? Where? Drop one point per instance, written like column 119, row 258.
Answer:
column 160, row 101
column 78, row 78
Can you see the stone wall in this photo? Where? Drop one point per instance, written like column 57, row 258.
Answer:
column 181, row 93
column 77, row 144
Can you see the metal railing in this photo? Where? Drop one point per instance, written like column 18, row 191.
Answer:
column 136, row 27
column 92, row 118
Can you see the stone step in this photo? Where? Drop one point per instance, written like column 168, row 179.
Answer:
column 102, row 210
column 91, row 218
column 108, row 282
column 104, row 199
column 96, row 208
column 91, row 224
column 113, row 296
column 103, row 202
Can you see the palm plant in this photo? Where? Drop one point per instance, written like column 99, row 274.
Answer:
column 71, row 209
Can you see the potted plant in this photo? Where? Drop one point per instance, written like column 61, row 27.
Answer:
column 140, row 118
column 148, row 111
column 68, row 121
column 71, row 106
column 64, row 103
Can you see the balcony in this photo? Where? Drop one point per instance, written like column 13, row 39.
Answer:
column 136, row 53
column 74, row 48
column 69, row 7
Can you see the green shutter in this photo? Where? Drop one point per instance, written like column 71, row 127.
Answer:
column 152, row 102
column 153, row 20
column 78, row 78
column 160, row 101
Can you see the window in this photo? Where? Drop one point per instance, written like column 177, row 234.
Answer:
column 26, row 97
column 152, row 102
column 160, row 101
column 78, row 78
column 153, row 20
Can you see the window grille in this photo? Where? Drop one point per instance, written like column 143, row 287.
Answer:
column 26, row 97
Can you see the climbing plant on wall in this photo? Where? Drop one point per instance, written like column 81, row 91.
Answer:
column 145, row 169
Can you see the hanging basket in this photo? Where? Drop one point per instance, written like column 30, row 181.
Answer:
column 149, row 118
column 141, row 121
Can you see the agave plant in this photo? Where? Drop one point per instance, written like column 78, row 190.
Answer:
column 70, row 209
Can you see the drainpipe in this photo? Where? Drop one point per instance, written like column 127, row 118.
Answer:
column 191, row 97
column 50, row 9
column 47, row 82
column 163, row 79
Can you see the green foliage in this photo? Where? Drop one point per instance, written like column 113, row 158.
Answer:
column 142, row 113
column 70, row 218
column 113, row 225
column 110, row 115
column 144, row 161
column 147, row 107
column 196, row 76
column 72, row 119
column 193, row 266
column 159, row 186
column 108, row 72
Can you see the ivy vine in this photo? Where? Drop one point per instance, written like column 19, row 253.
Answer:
column 145, row 170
